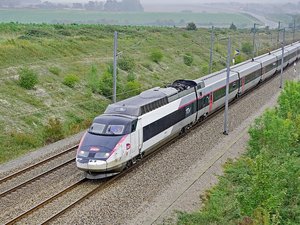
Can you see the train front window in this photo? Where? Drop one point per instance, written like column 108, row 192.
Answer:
column 115, row 129
column 107, row 129
column 97, row 128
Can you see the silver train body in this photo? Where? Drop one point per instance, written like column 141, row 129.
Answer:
column 136, row 126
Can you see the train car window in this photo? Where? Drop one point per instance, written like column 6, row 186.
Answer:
column 97, row 128
column 232, row 87
column 203, row 102
column 219, row 94
column 252, row 76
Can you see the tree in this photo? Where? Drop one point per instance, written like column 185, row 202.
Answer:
column 191, row 26
column 91, row 5
column 124, row 5
column 232, row 27
column 111, row 5
column 132, row 5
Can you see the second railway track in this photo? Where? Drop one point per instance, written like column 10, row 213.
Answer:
column 35, row 165
column 21, row 178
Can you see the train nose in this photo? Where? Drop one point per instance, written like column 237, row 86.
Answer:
column 97, row 165
column 91, row 165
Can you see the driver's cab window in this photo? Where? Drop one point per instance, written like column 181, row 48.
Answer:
column 133, row 126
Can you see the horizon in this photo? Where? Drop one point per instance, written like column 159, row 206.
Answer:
column 179, row 2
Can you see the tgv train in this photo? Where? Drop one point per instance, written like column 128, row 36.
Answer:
column 136, row 126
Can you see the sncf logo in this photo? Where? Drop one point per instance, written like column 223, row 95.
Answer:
column 94, row 149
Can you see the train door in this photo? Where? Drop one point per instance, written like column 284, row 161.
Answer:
column 242, row 85
column 134, row 149
column 211, row 100
column 140, row 134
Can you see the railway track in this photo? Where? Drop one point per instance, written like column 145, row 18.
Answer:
column 34, row 178
column 107, row 183
column 47, row 201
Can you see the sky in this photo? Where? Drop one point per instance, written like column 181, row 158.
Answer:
column 184, row 1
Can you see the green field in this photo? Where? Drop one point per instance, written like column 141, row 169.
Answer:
column 148, row 19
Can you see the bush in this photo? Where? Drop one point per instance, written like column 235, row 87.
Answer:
column 188, row 59
column 132, row 88
column 156, row 56
column 28, row 78
column 289, row 101
column 191, row 26
column 106, row 83
column 131, row 77
column 126, row 63
column 239, row 59
column 53, row 131
column 71, row 80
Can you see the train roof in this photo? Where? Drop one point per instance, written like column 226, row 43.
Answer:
column 278, row 52
column 142, row 103
column 210, row 78
column 215, row 77
column 246, row 67
column 291, row 48
column 265, row 58
column 151, row 99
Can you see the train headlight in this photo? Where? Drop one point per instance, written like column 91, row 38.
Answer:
column 107, row 155
column 82, row 153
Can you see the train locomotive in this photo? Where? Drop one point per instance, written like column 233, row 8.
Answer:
column 133, row 127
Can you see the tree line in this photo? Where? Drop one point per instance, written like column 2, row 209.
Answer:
column 108, row 5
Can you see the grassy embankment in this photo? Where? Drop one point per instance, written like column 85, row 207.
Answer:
column 74, row 82
column 263, row 187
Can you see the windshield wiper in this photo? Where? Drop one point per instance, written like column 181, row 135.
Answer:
column 91, row 132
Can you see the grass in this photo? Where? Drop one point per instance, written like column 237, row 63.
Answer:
column 56, row 51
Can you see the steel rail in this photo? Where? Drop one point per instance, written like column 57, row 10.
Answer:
column 35, row 178
column 47, row 201
column 11, row 176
